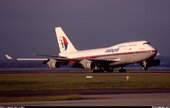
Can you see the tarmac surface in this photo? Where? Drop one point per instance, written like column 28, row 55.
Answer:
column 142, row 99
column 51, row 71
column 94, row 97
column 81, row 92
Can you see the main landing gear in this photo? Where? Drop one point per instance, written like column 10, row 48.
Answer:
column 122, row 70
column 108, row 69
column 100, row 69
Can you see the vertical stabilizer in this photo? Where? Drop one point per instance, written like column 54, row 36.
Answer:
column 64, row 43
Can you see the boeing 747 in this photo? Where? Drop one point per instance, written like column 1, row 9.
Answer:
column 100, row 59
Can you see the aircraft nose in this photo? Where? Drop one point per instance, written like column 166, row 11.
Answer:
column 154, row 52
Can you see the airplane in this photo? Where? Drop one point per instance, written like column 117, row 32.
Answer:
column 100, row 59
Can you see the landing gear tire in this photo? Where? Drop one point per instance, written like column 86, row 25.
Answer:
column 122, row 70
column 102, row 70
column 98, row 71
column 145, row 65
column 145, row 68
column 109, row 69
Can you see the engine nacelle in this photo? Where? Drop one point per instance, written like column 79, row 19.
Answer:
column 154, row 62
column 87, row 64
column 53, row 64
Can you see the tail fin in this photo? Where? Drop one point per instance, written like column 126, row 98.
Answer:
column 64, row 43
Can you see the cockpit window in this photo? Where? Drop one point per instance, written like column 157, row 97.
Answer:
column 146, row 43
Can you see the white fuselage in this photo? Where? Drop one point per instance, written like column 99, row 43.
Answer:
column 129, row 52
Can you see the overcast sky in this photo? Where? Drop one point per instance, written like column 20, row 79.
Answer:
column 27, row 26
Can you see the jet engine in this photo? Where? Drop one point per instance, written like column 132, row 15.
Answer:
column 149, row 63
column 87, row 64
column 154, row 62
column 53, row 64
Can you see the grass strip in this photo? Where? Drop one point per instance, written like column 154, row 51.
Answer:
column 36, row 82
column 41, row 98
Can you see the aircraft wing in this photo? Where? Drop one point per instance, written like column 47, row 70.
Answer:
column 48, row 56
column 59, row 58
column 111, row 60
column 25, row 59
column 91, row 59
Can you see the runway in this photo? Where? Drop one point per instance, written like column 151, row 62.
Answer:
column 82, row 92
column 91, row 97
column 82, row 71
column 142, row 99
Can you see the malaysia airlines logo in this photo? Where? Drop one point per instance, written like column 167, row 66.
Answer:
column 64, row 42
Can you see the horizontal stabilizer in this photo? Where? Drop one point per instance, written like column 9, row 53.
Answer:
column 8, row 57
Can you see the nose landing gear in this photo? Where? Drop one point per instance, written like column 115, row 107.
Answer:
column 144, row 65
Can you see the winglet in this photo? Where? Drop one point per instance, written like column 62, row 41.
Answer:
column 8, row 57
